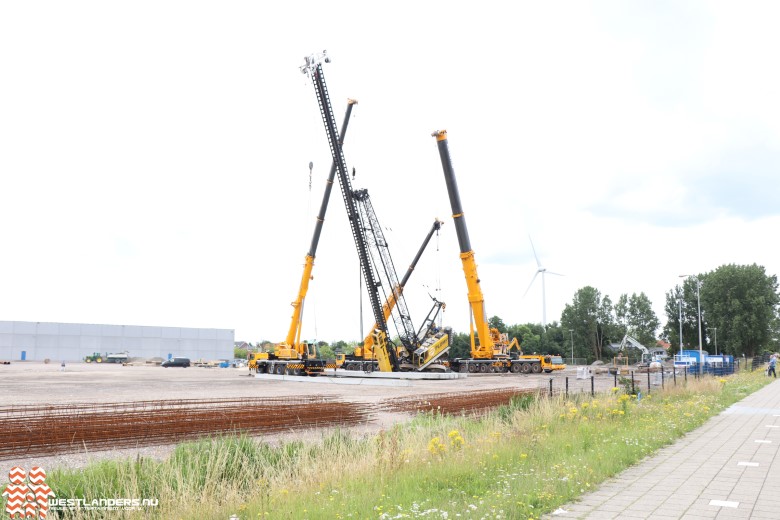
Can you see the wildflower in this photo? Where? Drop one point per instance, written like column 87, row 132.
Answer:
column 614, row 389
column 436, row 447
column 456, row 441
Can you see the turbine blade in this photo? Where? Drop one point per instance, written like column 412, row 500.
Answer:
column 538, row 263
column 556, row 274
column 530, row 284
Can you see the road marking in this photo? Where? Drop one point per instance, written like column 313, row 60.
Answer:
column 751, row 464
column 762, row 441
column 723, row 503
column 772, row 426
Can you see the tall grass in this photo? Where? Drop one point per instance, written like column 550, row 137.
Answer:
column 520, row 461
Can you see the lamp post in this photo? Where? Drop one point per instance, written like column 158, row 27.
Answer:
column 571, row 333
column 679, row 302
column 698, row 316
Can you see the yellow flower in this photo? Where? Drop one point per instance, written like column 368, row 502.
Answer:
column 436, row 447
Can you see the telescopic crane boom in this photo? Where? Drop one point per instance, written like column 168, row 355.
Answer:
column 292, row 349
column 490, row 348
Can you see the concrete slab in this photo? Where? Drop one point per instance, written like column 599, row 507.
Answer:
column 336, row 380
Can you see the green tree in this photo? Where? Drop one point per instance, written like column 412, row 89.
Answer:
column 497, row 323
column 634, row 315
column 460, row 346
column 590, row 318
column 673, row 309
column 741, row 301
column 325, row 351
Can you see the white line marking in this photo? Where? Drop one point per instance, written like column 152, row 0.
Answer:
column 772, row 426
column 723, row 503
column 751, row 464
column 762, row 441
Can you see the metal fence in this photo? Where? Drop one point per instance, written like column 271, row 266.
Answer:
column 633, row 381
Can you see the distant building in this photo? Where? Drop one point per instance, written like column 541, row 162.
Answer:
column 36, row 341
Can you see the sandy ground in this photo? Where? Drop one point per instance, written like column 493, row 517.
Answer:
column 39, row 383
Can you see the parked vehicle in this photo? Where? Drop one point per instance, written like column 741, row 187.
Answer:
column 176, row 362
column 97, row 357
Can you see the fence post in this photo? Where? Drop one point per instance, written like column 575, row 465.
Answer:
column 616, row 371
column 592, row 386
column 662, row 378
column 674, row 374
column 648, row 380
column 567, row 386
column 685, row 373
column 551, row 391
column 633, row 390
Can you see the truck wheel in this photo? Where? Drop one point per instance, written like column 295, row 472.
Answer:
column 463, row 368
column 515, row 368
column 525, row 368
column 536, row 368
column 483, row 368
column 472, row 368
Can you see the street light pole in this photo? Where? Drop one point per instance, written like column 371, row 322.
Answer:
column 571, row 333
column 681, row 342
column 698, row 311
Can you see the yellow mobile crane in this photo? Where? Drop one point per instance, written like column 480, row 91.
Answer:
column 489, row 348
column 293, row 356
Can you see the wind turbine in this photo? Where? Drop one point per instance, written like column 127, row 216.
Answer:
column 543, row 270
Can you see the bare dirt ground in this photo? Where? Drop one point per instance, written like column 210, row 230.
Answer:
column 34, row 383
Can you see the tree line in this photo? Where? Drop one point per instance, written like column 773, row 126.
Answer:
column 738, row 305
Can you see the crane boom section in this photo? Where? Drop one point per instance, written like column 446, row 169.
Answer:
column 313, row 67
column 485, row 348
column 387, row 308
column 294, row 332
column 384, row 270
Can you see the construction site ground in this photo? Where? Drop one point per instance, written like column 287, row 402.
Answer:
column 90, row 387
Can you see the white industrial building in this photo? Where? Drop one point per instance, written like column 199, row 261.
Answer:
column 37, row 341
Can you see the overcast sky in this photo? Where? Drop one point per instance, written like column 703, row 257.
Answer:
column 154, row 154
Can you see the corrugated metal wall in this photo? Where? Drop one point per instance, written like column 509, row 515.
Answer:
column 36, row 341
